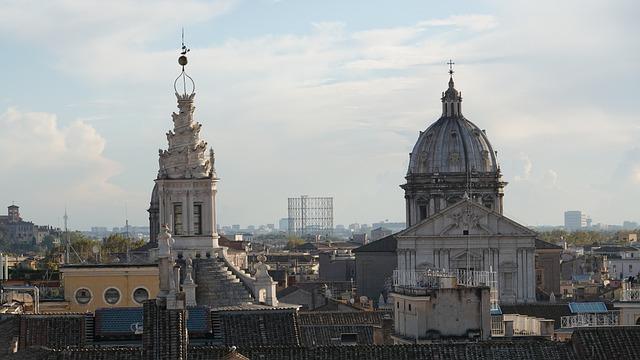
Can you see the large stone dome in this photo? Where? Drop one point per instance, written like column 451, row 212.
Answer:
column 452, row 144
column 451, row 160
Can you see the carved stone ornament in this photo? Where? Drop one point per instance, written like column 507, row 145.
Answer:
column 186, row 156
column 466, row 218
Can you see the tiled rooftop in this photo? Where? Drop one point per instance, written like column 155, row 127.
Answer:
column 621, row 342
column 325, row 328
column 255, row 328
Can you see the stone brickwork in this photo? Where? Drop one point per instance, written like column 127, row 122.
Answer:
column 165, row 333
column 217, row 286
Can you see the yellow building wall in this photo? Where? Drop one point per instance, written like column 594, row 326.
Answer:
column 97, row 280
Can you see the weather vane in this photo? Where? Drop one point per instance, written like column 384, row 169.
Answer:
column 182, row 60
column 451, row 63
column 184, row 48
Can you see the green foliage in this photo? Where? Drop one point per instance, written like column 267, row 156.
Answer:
column 118, row 243
column 580, row 238
column 293, row 242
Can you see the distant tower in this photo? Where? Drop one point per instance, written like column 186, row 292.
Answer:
column 452, row 157
column 13, row 211
column 185, row 190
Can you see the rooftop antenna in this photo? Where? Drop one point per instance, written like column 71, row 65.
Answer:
column 126, row 222
column 66, row 235
column 68, row 247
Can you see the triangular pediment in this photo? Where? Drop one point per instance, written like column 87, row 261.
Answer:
column 466, row 215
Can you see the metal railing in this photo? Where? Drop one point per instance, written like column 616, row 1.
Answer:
column 631, row 295
column 611, row 318
column 431, row 278
column 418, row 281
column 497, row 325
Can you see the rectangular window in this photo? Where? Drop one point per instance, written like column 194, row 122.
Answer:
column 423, row 212
column 508, row 282
column 197, row 219
column 177, row 219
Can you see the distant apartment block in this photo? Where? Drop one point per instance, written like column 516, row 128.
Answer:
column 283, row 224
column 576, row 220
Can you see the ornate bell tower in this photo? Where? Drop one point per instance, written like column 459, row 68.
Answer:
column 184, row 197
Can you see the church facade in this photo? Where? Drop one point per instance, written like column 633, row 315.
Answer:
column 468, row 235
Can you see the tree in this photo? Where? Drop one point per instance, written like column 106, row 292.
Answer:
column 294, row 242
column 117, row 243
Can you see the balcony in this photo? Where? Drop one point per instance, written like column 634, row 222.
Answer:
column 423, row 282
column 631, row 294
column 610, row 318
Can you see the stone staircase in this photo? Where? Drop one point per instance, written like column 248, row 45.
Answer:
column 217, row 285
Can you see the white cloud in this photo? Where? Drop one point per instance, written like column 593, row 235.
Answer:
column 550, row 178
column 474, row 22
column 46, row 164
column 527, row 166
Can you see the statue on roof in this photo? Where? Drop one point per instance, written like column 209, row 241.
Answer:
column 165, row 242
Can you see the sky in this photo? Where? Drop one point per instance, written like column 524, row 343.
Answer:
column 321, row 98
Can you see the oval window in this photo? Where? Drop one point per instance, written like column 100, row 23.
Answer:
column 83, row 296
column 140, row 295
column 112, row 296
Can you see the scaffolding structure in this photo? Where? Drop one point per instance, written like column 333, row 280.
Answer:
column 310, row 215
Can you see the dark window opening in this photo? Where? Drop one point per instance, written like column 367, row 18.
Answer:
column 197, row 219
column 423, row 212
column 177, row 219
column 465, row 232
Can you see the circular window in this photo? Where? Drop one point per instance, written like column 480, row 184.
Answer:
column 112, row 296
column 140, row 295
column 83, row 296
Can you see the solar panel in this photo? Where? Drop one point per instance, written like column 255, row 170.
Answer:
column 198, row 320
column 587, row 307
column 125, row 321
column 113, row 321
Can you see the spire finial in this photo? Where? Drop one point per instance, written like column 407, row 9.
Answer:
column 182, row 60
column 451, row 63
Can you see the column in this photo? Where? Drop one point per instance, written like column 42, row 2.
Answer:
column 408, row 210
column 519, row 277
column 532, row 275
